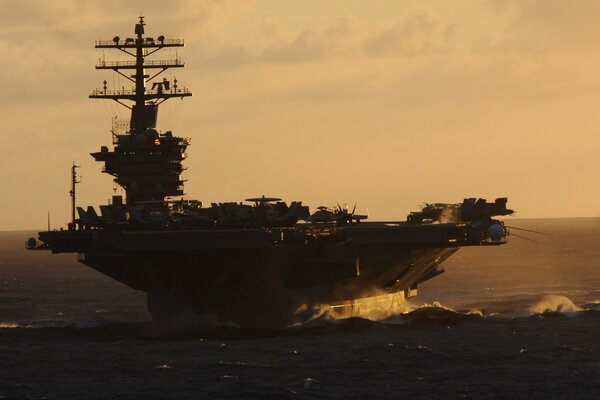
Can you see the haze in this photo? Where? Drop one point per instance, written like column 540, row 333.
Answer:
column 385, row 103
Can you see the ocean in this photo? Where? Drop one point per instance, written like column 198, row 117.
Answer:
column 519, row 321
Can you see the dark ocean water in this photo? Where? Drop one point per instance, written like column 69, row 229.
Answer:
column 520, row 321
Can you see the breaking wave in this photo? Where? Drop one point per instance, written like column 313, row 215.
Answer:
column 555, row 304
column 9, row 325
column 374, row 313
column 396, row 310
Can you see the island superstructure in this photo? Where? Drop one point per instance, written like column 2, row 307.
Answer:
column 145, row 163
column 254, row 263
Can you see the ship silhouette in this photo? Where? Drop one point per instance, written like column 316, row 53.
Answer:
column 254, row 263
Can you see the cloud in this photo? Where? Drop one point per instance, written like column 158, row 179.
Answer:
column 307, row 46
column 499, row 80
column 272, row 29
column 542, row 26
column 274, row 41
column 41, row 43
column 339, row 38
column 36, row 19
column 420, row 32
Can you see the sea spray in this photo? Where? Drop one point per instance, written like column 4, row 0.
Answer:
column 555, row 304
column 374, row 308
column 9, row 324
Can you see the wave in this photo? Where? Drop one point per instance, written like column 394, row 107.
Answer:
column 327, row 320
column 592, row 306
column 402, row 312
column 10, row 325
column 437, row 313
column 515, row 308
column 555, row 304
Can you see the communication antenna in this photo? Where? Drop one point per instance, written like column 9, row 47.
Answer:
column 74, row 182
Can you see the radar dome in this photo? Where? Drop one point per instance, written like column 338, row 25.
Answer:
column 496, row 232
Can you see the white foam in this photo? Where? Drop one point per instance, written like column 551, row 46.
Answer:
column 9, row 325
column 555, row 303
column 374, row 308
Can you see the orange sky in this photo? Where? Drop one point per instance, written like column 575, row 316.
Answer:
column 385, row 103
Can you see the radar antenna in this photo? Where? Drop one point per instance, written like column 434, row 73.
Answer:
column 145, row 101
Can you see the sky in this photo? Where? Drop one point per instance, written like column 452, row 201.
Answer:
column 387, row 104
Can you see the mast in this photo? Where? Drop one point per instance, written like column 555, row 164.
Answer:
column 74, row 182
column 146, row 163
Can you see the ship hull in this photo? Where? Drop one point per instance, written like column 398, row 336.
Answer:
column 260, row 284
column 262, row 277
column 262, row 288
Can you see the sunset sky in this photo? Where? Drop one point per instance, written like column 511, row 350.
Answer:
column 385, row 103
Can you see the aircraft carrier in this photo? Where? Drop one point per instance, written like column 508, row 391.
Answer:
column 253, row 263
